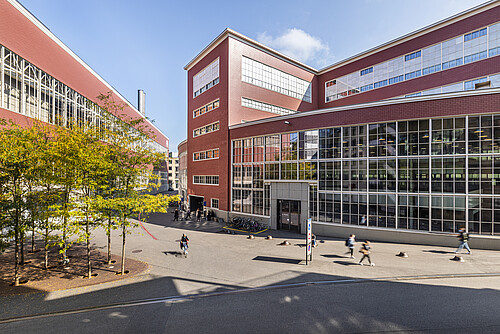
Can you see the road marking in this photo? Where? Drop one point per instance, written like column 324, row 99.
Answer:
column 235, row 229
column 145, row 229
column 172, row 299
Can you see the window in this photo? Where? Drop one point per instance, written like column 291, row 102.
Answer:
column 206, row 179
column 475, row 34
column 456, row 51
column 262, row 75
column 413, row 55
column 214, row 203
column 366, row 71
column 412, row 75
column 206, row 155
column 206, row 108
column 206, row 129
column 266, row 107
column 206, row 78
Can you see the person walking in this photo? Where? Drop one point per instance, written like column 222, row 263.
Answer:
column 365, row 250
column 188, row 214
column 314, row 241
column 198, row 215
column 464, row 238
column 350, row 243
column 184, row 244
column 176, row 215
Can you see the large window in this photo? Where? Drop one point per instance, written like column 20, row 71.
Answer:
column 206, row 78
column 28, row 90
column 206, row 179
column 471, row 47
column 206, row 129
column 410, row 174
column 254, row 104
column 262, row 75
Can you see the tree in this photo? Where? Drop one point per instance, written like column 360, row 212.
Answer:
column 132, row 152
column 17, row 168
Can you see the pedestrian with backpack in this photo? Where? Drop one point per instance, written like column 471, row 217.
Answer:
column 365, row 250
column 464, row 237
column 349, row 243
column 184, row 244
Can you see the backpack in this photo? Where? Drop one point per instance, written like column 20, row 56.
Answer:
column 347, row 242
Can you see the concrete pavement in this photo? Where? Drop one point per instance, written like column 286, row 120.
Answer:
column 219, row 262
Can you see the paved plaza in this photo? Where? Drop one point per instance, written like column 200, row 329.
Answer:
column 229, row 283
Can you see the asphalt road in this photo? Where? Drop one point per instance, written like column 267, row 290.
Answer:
column 455, row 305
column 230, row 284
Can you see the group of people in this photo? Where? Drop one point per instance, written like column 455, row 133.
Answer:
column 187, row 215
column 366, row 246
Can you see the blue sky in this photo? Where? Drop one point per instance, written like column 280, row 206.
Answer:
column 146, row 44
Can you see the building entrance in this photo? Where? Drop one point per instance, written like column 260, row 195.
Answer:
column 195, row 203
column 288, row 215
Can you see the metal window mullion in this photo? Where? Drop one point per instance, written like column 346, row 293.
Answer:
column 2, row 77
column 39, row 96
column 467, row 173
column 22, row 96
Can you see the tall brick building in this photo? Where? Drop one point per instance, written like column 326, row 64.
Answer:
column 401, row 142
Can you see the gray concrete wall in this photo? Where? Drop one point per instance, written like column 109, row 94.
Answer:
column 296, row 191
column 403, row 236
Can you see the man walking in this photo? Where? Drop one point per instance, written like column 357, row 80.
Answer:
column 176, row 215
column 350, row 242
column 184, row 244
column 464, row 237
column 365, row 250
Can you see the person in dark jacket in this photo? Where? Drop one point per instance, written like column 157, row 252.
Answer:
column 365, row 250
column 176, row 215
column 350, row 243
column 184, row 244
column 464, row 238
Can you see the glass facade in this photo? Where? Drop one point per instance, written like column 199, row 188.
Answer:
column 29, row 91
column 457, row 51
column 265, row 76
column 432, row 175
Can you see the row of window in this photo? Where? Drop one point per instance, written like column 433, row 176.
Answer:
column 458, row 135
column 206, row 155
column 28, row 90
column 206, row 78
column 457, row 51
column 206, row 108
column 206, row 129
column 492, row 81
column 265, row 76
column 206, row 179
column 249, row 103
column 206, row 87
column 436, row 213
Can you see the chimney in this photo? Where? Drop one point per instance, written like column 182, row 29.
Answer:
column 141, row 101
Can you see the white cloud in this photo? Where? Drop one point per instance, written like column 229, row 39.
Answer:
column 299, row 45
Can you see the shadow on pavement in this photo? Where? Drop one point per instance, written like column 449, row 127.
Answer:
column 366, row 306
column 437, row 251
column 276, row 259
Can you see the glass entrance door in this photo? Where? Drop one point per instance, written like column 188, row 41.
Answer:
column 288, row 215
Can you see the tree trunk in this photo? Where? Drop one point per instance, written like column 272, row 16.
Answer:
column 21, row 242
column 123, row 248
column 109, row 240
column 87, row 230
column 33, row 236
column 46, row 248
column 64, row 241
column 16, row 268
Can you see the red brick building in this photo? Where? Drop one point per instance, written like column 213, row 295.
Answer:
column 41, row 78
column 401, row 142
